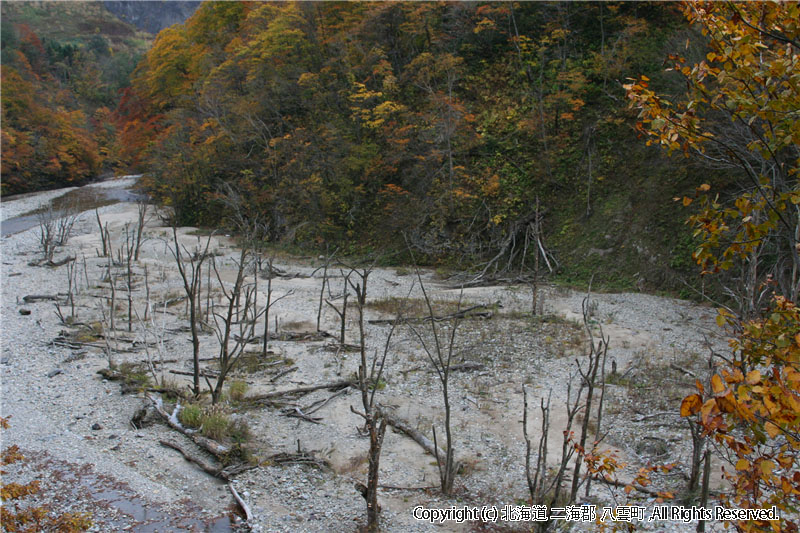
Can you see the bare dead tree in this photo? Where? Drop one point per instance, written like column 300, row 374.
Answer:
column 112, row 283
column 65, row 220
column 191, row 278
column 72, row 286
column 141, row 220
column 104, row 234
column 369, row 376
column 328, row 259
column 535, row 228
column 596, row 359
column 130, row 248
column 235, row 316
column 343, row 312
column 545, row 485
column 440, row 356
column 47, row 234
column 536, row 481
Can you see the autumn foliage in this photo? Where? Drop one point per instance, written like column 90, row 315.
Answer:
column 58, row 94
column 740, row 113
column 380, row 123
column 17, row 516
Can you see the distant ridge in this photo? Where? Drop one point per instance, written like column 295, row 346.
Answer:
column 152, row 16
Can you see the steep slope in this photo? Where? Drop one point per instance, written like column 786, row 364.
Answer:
column 374, row 125
column 63, row 66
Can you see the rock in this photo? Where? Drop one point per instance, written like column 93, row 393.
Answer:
column 96, row 427
column 24, row 312
column 54, row 373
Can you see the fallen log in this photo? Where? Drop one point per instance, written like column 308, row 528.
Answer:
column 295, row 412
column 40, row 297
column 415, row 435
column 281, row 374
column 300, row 390
column 204, row 466
column 476, row 311
column 64, row 261
column 216, row 472
column 248, row 516
column 461, row 367
column 203, row 373
column 298, row 458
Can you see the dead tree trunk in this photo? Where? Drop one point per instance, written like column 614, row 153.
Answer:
column 191, row 278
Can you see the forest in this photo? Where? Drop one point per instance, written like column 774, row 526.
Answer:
column 629, row 146
column 378, row 126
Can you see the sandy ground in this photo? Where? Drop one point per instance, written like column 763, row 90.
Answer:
column 60, row 406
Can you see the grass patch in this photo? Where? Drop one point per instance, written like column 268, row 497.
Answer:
column 191, row 416
column 237, row 390
column 214, row 423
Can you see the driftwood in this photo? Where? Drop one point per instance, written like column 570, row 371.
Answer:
column 41, row 297
column 204, row 466
column 295, row 412
column 203, row 373
column 622, row 484
column 415, row 435
column 248, row 516
column 298, row 458
column 281, row 374
column 300, row 390
column 221, row 473
column 461, row 367
column 156, row 362
column 51, row 263
column 476, row 311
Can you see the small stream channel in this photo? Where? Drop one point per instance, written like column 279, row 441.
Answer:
column 75, row 201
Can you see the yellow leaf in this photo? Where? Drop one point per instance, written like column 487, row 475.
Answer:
column 753, row 377
column 767, row 467
column 716, row 384
column 686, row 201
column 704, row 187
column 772, row 430
column 742, row 464
column 691, row 405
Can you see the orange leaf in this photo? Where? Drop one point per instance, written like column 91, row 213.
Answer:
column 691, row 405
column 753, row 377
column 716, row 384
column 772, row 429
column 727, row 403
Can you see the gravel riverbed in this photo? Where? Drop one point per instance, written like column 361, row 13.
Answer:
column 74, row 427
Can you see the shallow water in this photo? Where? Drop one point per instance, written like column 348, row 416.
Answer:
column 75, row 201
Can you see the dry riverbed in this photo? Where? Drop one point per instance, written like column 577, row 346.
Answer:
column 75, row 427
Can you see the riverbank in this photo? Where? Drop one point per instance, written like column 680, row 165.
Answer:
column 61, row 407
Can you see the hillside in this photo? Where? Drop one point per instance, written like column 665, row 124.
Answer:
column 63, row 67
column 370, row 126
